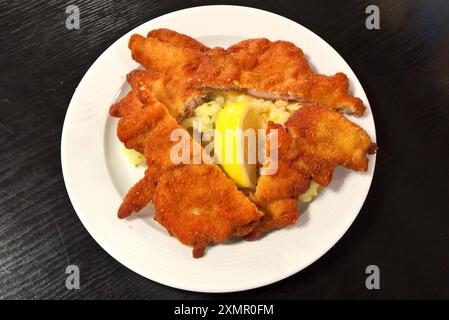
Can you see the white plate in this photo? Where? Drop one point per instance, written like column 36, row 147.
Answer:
column 97, row 176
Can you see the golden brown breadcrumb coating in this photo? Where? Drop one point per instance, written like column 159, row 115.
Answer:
column 314, row 141
column 196, row 203
column 275, row 70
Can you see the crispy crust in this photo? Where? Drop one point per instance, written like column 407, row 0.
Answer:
column 187, row 204
column 327, row 139
column 177, row 39
column 180, row 72
column 199, row 212
column 314, row 141
column 281, row 68
column 256, row 66
column 277, row 194
column 147, row 85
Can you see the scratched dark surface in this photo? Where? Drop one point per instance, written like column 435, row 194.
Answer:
column 403, row 227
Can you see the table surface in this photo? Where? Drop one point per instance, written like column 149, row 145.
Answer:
column 402, row 228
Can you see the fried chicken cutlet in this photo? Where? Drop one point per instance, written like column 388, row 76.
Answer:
column 259, row 67
column 178, row 96
column 179, row 74
column 173, row 58
column 194, row 210
column 327, row 139
column 277, row 195
column 314, row 141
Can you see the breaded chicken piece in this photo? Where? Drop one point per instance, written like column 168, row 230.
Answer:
column 259, row 67
column 199, row 205
column 170, row 67
column 314, row 141
column 177, row 39
column 131, row 101
column 177, row 95
column 327, row 139
column 133, row 128
column 275, row 70
column 180, row 72
column 196, row 203
column 140, row 195
column 277, row 195
column 175, row 59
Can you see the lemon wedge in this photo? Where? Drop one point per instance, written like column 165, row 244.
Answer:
column 235, row 146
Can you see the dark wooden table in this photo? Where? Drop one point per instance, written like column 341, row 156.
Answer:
column 403, row 227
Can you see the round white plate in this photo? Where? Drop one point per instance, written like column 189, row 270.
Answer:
column 97, row 175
